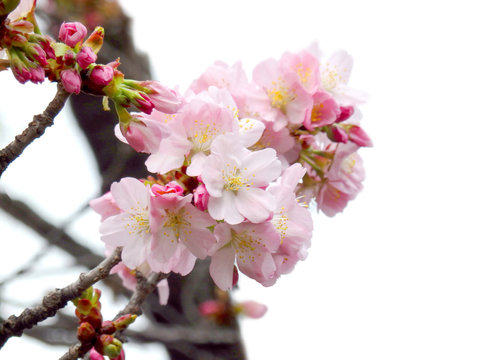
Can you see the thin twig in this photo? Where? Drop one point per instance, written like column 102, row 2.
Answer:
column 35, row 129
column 53, row 234
column 56, row 300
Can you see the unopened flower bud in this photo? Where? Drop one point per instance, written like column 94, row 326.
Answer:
column 84, row 306
column 358, row 136
column 164, row 99
column 86, row 332
column 108, row 327
column 337, row 134
column 86, row 56
column 109, row 346
column 123, row 321
column 144, row 104
column 69, row 58
column 101, row 75
column 345, row 113
column 200, row 197
column 37, row 74
column 71, row 81
column 171, row 188
column 95, row 355
column 72, row 33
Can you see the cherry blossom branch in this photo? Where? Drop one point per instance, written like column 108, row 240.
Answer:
column 35, row 129
column 54, row 235
column 56, row 299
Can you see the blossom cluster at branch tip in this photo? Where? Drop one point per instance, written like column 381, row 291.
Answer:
column 33, row 57
column 237, row 164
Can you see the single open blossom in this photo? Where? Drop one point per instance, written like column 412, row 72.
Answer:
column 235, row 179
column 292, row 220
column 177, row 221
column 281, row 97
column 250, row 246
column 335, row 73
column 131, row 227
column 191, row 134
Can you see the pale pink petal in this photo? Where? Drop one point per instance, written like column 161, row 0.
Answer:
column 224, row 208
column 255, row 204
column 163, row 291
column 221, row 267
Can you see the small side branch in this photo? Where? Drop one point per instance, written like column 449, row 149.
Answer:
column 35, row 129
column 57, row 299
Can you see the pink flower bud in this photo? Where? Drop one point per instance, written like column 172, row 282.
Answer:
column 95, row 355
column 358, row 136
column 144, row 104
column 200, row 197
column 165, row 99
column 69, row 58
column 171, row 188
column 72, row 33
column 102, row 75
column 85, row 57
column 337, row 134
column 71, row 81
column 21, row 74
column 39, row 55
column 345, row 113
column 37, row 74
column 253, row 309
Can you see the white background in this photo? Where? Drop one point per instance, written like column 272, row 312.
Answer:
column 396, row 276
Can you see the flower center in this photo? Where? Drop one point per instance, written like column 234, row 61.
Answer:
column 280, row 96
column 175, row 221
column 233, row 179
column 138, row 222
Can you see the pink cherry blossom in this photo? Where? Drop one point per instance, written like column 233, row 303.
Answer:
column 282, row 98
column 131, row 228
column 250, row 245
column 235, row 179
column 191, row 134
column 306, row 67
column 178, row 221
column 335, row 73
column 324, row 111
column 292, row 220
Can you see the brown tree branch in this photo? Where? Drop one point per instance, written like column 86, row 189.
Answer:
column 54, row 235
column 56, row 300
column 35, row 129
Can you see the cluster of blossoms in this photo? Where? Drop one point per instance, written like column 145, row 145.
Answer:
column 33, row 57
column 237, row 163
column 95, row 333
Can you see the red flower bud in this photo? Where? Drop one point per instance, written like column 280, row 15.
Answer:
column 85, row 332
